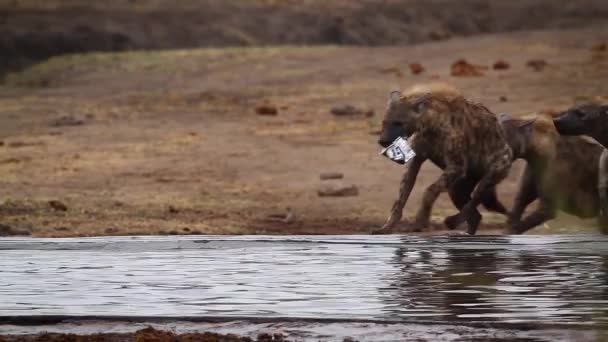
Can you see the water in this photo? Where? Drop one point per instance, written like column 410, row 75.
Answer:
column 532, row 279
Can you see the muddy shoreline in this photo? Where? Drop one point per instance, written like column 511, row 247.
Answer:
column 56, row 328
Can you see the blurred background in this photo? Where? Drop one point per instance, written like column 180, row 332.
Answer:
column 258, row 116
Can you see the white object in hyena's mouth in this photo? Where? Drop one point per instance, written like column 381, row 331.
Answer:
column 399, row 151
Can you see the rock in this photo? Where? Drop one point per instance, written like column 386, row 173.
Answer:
column 18, row 144
column 266, row 109
column 348, row 110
column 265, row 337
column 6, row 230
column 392, row 70
column 439, row 35
column 600, row 47
column 329, row 190
column 537, row 64
column 462, row 68
column 331, row 175
column 172, row 210
column 1, row 143
column 416, row 68
column 502, row 99
column 186, row 229
column 501, row 65
column 58, row 205
column 67, row 120
column 288, row 217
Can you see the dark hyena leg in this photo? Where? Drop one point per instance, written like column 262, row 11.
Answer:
column 499, row 172
column 460, row 194
column 491, row 202
column 526, row 194
column 603, row 192
column 545, row 212
column 451, row 174
column 405, row 189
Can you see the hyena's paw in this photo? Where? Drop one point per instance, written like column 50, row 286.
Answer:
column 387, row 228
column 451, row 222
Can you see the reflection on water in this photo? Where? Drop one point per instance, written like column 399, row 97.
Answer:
column 528, row 278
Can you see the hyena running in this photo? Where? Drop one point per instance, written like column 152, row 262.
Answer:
column 561, row 172
column 591, row 120
column 462, row 138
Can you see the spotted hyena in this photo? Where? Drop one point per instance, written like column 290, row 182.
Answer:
column 591, row 120
column 561, row 172
column 462, row 138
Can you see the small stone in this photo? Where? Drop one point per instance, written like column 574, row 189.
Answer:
column 600, row 47
column 173, row 210
column 58, row 205
column 462, row 68
column 264, row 337
column 502, row 99
column 344, row 110
column 537, row 64
column 338, row 191
column 348, row 110
column 331, row 175
column 1, row 143
column 501, row 65
column 186, row 229
column 67, row 120
column 266, row 109
column 6, row 230
column 416, row 68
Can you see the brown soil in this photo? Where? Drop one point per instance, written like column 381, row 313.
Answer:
column 33, row 30
column 170, row 142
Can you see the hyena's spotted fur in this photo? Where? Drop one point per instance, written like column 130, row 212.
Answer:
column 462, row 138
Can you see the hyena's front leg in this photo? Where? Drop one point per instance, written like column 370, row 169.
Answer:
column 451, row 174
column 405, row 189
column 526, row 194
column 498, row 172
column 603, row 192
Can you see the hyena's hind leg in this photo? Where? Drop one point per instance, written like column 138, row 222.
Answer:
column 496, row 174
column 460, row 194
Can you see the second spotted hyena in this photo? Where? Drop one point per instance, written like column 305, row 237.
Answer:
column 462, row 138
column 590, row 119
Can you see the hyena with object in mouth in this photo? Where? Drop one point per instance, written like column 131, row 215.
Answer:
column 462, row 138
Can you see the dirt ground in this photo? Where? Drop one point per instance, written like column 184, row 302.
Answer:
column 170, row 142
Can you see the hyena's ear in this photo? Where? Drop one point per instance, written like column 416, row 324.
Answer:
column 395, row 96
column 419, row 105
